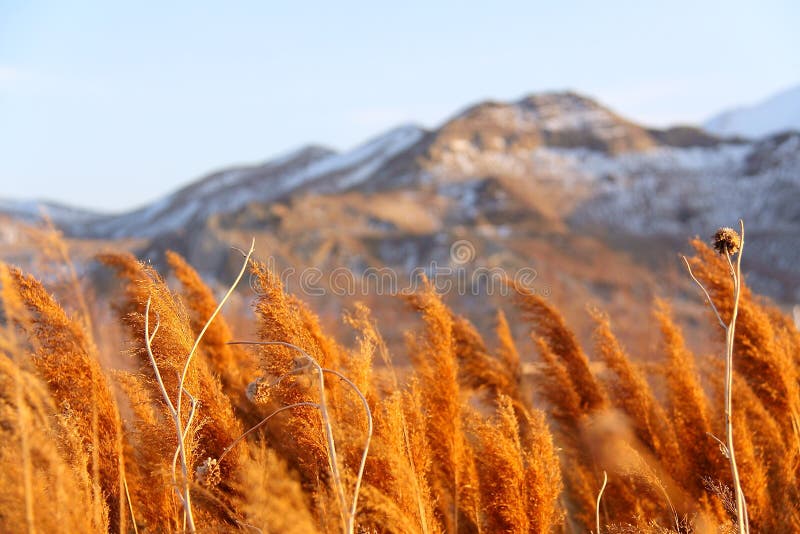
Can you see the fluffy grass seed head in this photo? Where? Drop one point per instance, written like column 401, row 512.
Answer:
column 208, row 473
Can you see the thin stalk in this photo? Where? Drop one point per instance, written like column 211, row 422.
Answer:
column 176, row 408
column 660, row 485
column 130, row 505
column 208, row 324
column 192, row 411
column 597, row 505
column 363, row 463
column 741, row 505
column 184, row 495
column 262, row 423
column 332, row 457
column 743, row 525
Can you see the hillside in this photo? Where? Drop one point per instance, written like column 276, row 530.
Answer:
column 595, row 203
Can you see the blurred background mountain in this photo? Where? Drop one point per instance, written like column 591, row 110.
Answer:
column 596, row 204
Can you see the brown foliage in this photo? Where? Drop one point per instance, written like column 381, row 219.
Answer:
column 435, row 357
column 396, row 488
column 40, row 452
column 550, row 326
column 519, row 472
column 632, row 394
column 65, row 358
column 171, row 347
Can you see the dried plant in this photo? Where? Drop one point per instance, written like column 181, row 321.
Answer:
column 308, row 364
column 634, row 396
column 183, row 429
column 727, row 242
column 434, row 355
column 65, row 357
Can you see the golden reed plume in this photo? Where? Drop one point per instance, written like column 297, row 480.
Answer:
column 461, row 435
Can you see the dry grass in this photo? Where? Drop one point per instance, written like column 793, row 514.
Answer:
column 463, row 440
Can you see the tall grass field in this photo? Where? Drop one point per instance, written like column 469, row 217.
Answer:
column 193, row 429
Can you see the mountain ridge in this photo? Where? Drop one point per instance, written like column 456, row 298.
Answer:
column 539, row 107
column 776, row 114
column 544, row 167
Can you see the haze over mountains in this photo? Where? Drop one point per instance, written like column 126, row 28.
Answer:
column 778, row 113
column 597, row 204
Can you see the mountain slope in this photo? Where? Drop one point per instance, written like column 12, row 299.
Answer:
column 231, row 190
column 777, row 114
column 33, row 210
column 548, row 171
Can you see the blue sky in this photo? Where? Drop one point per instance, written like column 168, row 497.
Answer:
column 108, row 106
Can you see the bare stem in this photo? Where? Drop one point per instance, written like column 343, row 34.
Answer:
column 192, row 411
column 148, row 341
column 262, row 423
column 366, row 441
column 741, row 505
column 597, row 506
column 332, row 456
column 175, row 409
column 208, row 324
column 130, row 505
column 722, row 446
column 730, row 328
column 708, row 297
column 184, row 493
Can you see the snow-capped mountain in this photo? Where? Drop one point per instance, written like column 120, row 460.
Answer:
column 312, row 167
column 32, row 210
column 777, row 114
column 539, row 170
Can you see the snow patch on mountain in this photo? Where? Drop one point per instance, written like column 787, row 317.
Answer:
column 34, row 210
column 220, row 181
column 231, row 190
column 680, row 192
column 624, row 169
column 557, row 112
column 670, row 190
column 372, row 156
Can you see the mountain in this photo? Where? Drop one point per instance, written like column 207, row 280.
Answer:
column 596, row 204
column 32, row 211
column 777, row 114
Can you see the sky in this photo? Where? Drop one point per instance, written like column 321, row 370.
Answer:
column 109, row 105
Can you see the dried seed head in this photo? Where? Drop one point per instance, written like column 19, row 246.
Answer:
column 727, row 240
column 258, row 392
column 300, row 361
column 208, row 473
